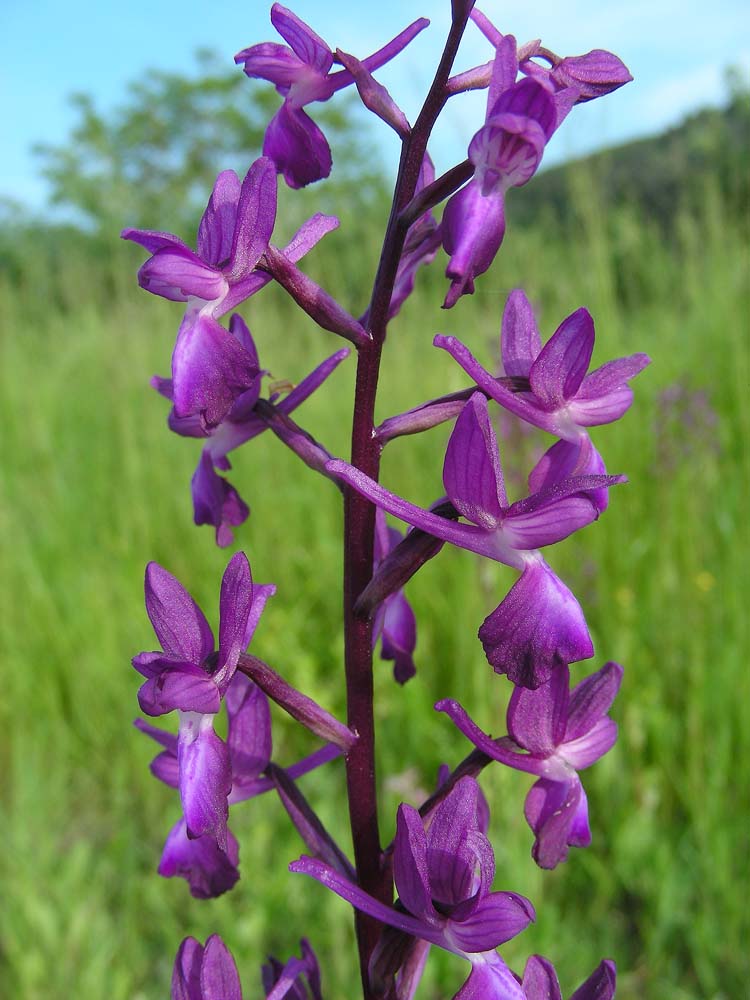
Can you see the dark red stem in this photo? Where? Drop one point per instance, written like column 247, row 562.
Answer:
column 359, row 527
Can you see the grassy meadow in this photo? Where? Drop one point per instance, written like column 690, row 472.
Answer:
column 94, row 486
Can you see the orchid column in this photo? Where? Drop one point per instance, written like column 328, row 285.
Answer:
column 440, row 862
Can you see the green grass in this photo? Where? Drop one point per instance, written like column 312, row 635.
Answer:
column 94, row 486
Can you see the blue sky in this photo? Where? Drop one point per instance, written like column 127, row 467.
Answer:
column 677, row 51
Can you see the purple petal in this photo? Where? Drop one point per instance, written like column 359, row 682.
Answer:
column 473, row 228
column 530, row 99
column 219, row 977
column 410, row 867
column 205, row 777
column 587, row 749
column 161, row 736
column 399, row 636
column 179, row 623
column 383, row 55
column 311, row 382
column 593, row 75
column 467, row 536
column 309, row 234
column 506, row 153
column 273, row 62
column 612, row 375
column 308, row 46
column 490, row 979
column 536, row 719
column 605, row 395
column 249, row 729
column 499, row 749
column 297, row 146
column 556, row 811
column 152, row 663
column 544, row 518
column 179, row 274
column 504, row 71
column 208, row 870
column 558, row 372
column 472, row 474
column 600, row 985
column 374, row 95
column 456, row 848
column 283, row 981
column 540, row 980
column 347, row 890
column 186, row 971
column 538, row 627
column 591, row 699
column 183, row 686
column 486, row 26
column 164, row 767
column 566, row 459
column 216, row 227
column 256, row 216
column 496, row 918
column 261, row 594
column 210, row 369
column 516, row 403
column 153, row 240
column 216, row 501
column 235, row 604
column 519, row 341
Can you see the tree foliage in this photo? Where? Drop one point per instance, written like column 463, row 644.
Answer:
column 170, row 137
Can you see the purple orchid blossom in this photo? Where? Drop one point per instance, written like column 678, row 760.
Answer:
column 215, row 500
column 190, row 676
column 209, row 870
column 540, row 981
column 394, row 623
column 539, row 626
column 561, row 397
column 205, row 973
column 506, row 152
column 574, row 79
column 289, row 980
column 301, row 73
column 443, row 876
column 554, row 733
column 209, row 367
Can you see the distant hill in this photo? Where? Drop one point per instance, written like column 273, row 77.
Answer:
column 653, row 175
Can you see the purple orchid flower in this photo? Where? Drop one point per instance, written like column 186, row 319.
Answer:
column 561, row 397
column 539, row 625
column 394, row 623
column 540, row 981
column 215, row 500
column 289, row 980
column 443, row 876
column 209, row 367
column 506, row 152
column 205, row 973
column 554, row 733
column 301, row 73
column 588, row 76
column 190, row 676
column 209, row 870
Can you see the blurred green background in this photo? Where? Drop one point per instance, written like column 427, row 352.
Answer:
column 652, row 238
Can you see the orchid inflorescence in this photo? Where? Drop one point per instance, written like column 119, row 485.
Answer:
column 441, row 861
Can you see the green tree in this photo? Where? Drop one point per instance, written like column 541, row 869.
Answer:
column 170, row 137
